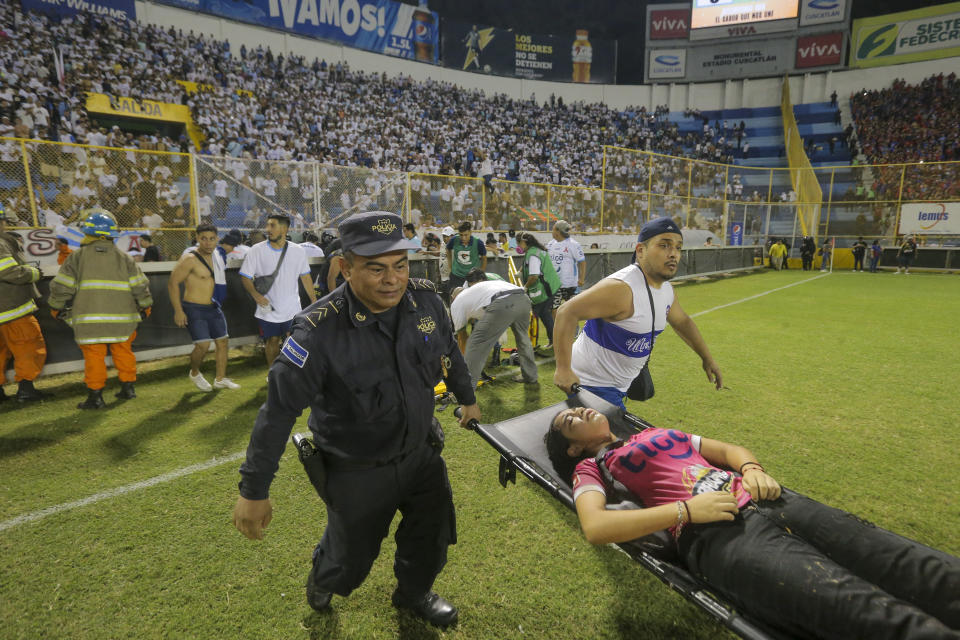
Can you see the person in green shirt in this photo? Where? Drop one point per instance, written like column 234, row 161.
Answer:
column 464, row 252
column 539, row 278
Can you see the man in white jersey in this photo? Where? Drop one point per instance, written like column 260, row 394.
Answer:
column 617, row 339
column 288, row 261
column 568, row 260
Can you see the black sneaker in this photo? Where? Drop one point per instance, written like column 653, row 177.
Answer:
column 3, row 395
column 431, row 607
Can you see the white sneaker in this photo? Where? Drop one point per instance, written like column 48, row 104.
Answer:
column 200, row 381
column 225, row 383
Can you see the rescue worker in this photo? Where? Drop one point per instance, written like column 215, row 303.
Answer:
column 366, row 359
column 20, row 334
column 101, row 292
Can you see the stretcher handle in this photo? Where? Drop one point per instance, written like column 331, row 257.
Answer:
column 472, row 425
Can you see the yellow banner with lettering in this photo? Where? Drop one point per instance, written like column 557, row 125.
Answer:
column 908, row 36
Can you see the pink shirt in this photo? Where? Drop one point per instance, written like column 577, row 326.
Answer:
column 659, row 466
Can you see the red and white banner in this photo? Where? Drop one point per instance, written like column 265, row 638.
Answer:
column 820, row 50
column 669, row 24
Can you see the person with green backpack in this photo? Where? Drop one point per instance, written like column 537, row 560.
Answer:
column 540, row 279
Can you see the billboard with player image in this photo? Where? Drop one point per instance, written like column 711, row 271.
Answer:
column 731, row 13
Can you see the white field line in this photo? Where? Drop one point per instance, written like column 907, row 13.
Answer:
column 216, row 462
column 119, row 491
column 759, row 295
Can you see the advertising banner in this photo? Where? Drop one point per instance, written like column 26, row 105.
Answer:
column 756, row 58
column 505, row 52
column 667, row 63
column 719, row 13
column 383, row 26
column 908, row 36
column 668, row 24
column 120, row 9
column 821, row 50
column 822, row 11
column 930, row 218
column 740, row 31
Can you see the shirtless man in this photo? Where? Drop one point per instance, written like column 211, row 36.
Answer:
column 199, row 312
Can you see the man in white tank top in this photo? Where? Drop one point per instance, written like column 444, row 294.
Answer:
column 617, row 340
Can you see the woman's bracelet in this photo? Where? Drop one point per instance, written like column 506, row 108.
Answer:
column 756, row 464
column 680, row 522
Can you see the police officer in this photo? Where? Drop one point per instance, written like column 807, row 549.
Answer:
column 366, row 358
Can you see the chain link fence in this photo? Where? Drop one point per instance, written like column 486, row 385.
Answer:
column 165, row 194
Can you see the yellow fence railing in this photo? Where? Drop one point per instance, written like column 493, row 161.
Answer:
column 48, row 184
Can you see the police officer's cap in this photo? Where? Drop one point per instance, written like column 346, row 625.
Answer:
column 373, row 233
column 657, row 227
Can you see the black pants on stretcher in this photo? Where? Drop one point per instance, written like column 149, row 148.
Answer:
column 887, row 586
column 361, row 504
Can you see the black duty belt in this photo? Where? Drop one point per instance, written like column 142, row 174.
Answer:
column 353, row 464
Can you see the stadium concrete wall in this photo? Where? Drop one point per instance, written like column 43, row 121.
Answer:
column 730, row 94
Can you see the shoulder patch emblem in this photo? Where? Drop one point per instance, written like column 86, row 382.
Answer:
column 294, row 352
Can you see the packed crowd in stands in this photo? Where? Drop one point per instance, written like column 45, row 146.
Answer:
column 253, row 103
column 908, row 123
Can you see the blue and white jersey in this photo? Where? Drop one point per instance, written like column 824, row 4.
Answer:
column 611, row 354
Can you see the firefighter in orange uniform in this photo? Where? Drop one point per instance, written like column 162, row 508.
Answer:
column 19, row 330
column 100, row 292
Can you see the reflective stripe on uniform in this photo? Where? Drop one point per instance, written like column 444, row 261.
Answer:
column 90, row 318
column 104, row 340
column 22, row 310
column 65, row 280
column 113, row 285
column 8, row 262
column 137, row 279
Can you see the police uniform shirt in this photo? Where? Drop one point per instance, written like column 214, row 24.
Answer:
column 369, row 388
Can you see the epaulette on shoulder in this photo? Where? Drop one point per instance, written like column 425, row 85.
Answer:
column 422, row 284
column 328, row 308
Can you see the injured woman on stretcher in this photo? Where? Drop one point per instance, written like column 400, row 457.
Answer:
column 792, row 562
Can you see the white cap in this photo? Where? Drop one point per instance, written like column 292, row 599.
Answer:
column 448, row 231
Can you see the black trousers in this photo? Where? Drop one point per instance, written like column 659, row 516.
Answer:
column 857, row 262
column 816, row 571
column 361, row 504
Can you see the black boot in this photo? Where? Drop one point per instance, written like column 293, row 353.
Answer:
column 126, row 391
column 94, row 400
column 317, row 599
column 3, row 395
column 431, row 607
column 27, row 392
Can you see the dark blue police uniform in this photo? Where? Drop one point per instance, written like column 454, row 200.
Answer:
column 369, row 380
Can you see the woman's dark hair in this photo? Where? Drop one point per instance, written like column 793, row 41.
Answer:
column 531, row 240
column 491, row 238
column 557, row 446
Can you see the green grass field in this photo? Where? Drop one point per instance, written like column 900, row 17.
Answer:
column 844, row 386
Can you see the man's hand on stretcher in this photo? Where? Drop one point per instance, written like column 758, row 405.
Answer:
column 565, row 378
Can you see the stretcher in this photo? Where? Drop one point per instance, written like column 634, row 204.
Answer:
column 520, row 444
